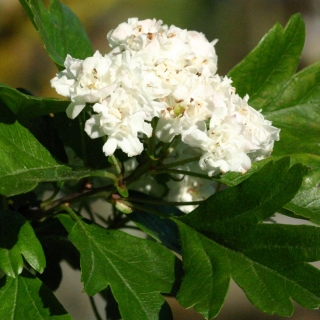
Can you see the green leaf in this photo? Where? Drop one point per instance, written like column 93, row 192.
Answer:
column 61, row 31
column 224, row 238
column 27, row 106
column 17, row 239
column 27, row 9
column 307, row 202
column 66, row 221
column 73, row 135
column 27, row 298
column 137, row 270
column 234, row 178
column 267, row 271
column 57, row 247
column 296, row 111
column 267, row 68
column 254, row 200
column 123, row 191
column 24, row 162
column 312, row 161
column 289, row 101
column 36, row 114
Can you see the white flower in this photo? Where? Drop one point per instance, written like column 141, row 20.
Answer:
column 191, row 101
column 136, row 34
column 164, row 72
column 121, row 119
column 90, row 80
column 178, row 67
column 237, row 135
column 189, row 188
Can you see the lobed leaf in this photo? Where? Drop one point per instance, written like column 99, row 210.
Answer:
column 254, row 200
column 234, row 178
column 27, row 298
column 267, row 68
column 225, row 238
column 296, row 111
column 17, row 239
column 137, row 270
column 307, row 202
column 269, row 280
column 290, row 101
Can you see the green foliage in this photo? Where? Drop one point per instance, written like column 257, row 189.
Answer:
column 297, row 113
column 17, row 239
column 26, row 297
column 234, row 178
column 291, row 101
column 25, row 162
column 267, row 74
column 16, row 104
column 307, row 202
column 267, row 68
column 118, row 259
column 228, row 236
column 224, row 238
column 61, row 31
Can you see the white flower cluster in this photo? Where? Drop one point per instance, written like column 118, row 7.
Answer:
column 169, row 73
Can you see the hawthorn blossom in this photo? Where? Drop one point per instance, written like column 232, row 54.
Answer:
column 121, row 119
column 181, row 64
column 234, row 140
column 168, row 73
column 86, row 81
column 134, row 33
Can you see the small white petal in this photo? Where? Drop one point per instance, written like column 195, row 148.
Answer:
column 110, row 147
column 74, row 108
column 93, row 127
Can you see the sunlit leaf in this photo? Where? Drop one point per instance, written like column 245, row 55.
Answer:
column 137, row 270
column 296, row 111
column 24, row 162
column 61, row 31
column 267, row 68
column 291, row 101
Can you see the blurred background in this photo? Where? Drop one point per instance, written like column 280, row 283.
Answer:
column 238, row 24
